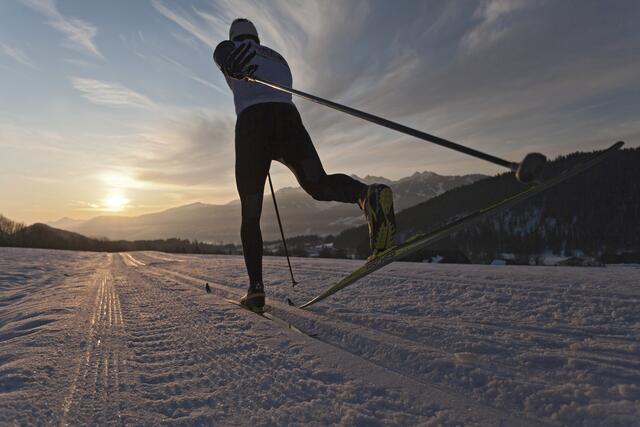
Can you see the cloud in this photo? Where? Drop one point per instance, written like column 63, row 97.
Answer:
column 312, row 28
column 190, row 75
column 501, row 76
column 17, row 55
column 493, row 16
column 112, row 94
column 188, row 24
column 497, row 77
column 79, row 34
column 190, row 148
column 28, row 138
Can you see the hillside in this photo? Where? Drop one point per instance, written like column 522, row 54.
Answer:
column 597, row 213
column 43, row 236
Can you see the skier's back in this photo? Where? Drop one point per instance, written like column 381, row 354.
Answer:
column 269, row 128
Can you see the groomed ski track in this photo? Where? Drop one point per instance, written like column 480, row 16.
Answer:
column 336, row 356
column 133, row 338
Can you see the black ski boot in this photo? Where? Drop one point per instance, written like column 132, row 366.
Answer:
column 377, row 205
column 254, row 299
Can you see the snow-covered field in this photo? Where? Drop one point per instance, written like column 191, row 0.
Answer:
column 133, row 338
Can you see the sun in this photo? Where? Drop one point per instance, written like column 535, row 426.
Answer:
column 115, row 202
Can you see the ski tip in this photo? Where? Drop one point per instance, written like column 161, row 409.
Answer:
column 291, row 303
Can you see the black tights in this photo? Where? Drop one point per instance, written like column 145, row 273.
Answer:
column 274, row 131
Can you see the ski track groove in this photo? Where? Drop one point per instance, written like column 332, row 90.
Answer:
column 168, row 328
column 157, row 344
column 484, row 285
column 399, row 340
column 360, row 332
column 95, row 385
column 546, row 292
column 624, row 360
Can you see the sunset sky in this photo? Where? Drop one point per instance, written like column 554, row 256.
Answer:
column 115, row 107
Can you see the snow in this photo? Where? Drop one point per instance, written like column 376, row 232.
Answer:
column 132, row 338
column 551, row 259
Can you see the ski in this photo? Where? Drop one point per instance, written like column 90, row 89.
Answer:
column 264, row 310
column 266, row 313
column 421, row 241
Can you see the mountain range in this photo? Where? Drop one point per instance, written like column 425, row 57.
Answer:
column 300, row 213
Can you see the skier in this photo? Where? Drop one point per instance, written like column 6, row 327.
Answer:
column 269, row 127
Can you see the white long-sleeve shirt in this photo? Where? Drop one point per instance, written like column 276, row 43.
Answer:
column 271, row 66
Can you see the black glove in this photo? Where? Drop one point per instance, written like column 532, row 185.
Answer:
column 235, row 65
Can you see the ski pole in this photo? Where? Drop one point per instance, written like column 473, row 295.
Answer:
column 526, row 171
column 284, row 241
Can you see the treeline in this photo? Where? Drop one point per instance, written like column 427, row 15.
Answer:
column 14, row 234
column 324, row 247
column 8, row 228
column 309, row 245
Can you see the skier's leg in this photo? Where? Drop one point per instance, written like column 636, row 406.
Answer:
column 297, row 152
column 252, row 166
column 321, row 186
column 376, row 200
